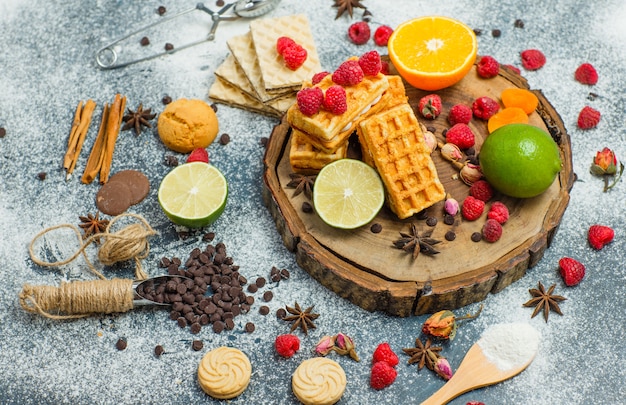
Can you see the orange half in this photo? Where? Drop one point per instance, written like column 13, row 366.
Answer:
column 433, row 52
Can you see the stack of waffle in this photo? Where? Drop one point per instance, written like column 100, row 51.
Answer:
column 254, row 76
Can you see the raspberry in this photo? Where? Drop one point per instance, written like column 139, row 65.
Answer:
column 359, row 32
column 533, row 59
column 318, row 77
column 488, row 67
column 383, row 375
column 287, row 345
column 382, row 34
column 384, row 67
column 294, row 56
column 492, row 230
column 586, row 74
column 482, row 190
column 475, row 403
column 335, row 100
column 384, row 353
column 485, row 107
column 461, row 135
column 198, row 155
column 499, row 212
column 348, row 73
column 513, row 68
column 571, row 270
column 310, row 100
column 472, row 208
column 588, row 118
column 283, row 43
column 460, row 114
column 370, row 63
column 600, row 235
column 430, row 106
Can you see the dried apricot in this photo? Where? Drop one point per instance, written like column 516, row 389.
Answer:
column 522, row 98
column 509, row 115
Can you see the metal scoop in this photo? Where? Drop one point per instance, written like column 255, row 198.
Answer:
column 106, row 57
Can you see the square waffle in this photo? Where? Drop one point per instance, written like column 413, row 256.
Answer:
column 275, row 76
column 307, row 159
column 402, row 158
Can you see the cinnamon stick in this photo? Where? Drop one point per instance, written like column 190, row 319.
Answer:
column 77, row 136
column 71, row 141
column 94, row 162
column 114, row 123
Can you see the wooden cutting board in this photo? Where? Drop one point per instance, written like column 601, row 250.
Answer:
column 368, row 270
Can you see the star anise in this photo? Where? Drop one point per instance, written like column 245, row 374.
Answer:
column 92, row 225
column 545, row 300
column 347, row 5
column 416, row 243
column 423, row 354
column 301, row 183
column 135, row 119
column 303, row 319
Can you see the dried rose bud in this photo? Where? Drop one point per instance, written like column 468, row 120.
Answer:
column 451, row 152
column 443, row 369
column 325, row 345
column 605, row 162
column 471, row 173
column 345, row 345
column 443, row 324
column 430, row 140
column 451, row 206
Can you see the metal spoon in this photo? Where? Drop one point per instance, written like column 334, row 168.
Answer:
column 106, row 57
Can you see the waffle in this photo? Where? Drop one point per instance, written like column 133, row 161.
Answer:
column 225, row 93
column 324, row 125
column 275, row 76
column 402, row 158
column 307, row 159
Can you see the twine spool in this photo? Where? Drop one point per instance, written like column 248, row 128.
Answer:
column 78, row 299
column 128, row 243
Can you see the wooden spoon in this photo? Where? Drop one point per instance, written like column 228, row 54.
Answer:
column 475, row 371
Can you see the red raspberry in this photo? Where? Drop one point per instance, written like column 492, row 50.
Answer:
column 472, row 208
column 430, row 106
column 287, row 345
column 513, row 68
column 588, row 118
column 571, row 270
column 475, row 403
column 384, row 353
column 359, row 32
column 384, row 67
column 485, row 107
column 348, row 73
column 198, row 155
column 492, row 230
column 533, row 59
column 370, row 63
column 482, row 190
column 335, row 100
column 310, row 100
column 461, row 135
column 586, row 74
column 283, row 43
column 499, row 212
column 460, row 114
column 600, row 235
column 318, row 77
column 294, row 56
column 487, row 67
column 383, row 375
column 382, row 34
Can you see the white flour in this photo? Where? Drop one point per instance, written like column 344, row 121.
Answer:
column 509, row 345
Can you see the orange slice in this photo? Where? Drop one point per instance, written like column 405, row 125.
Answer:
column 508, row 115
column 432, row 52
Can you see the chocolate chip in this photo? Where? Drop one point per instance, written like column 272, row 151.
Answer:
column 169, row 47
column 218, row 326
column 264, row 310
column 250, row 327
column 158, row 350
column 431, row 129
column 224, row 139
column 42, row 176
column 171, row 161
column 182, row 322
column 376, row 228
column 214, row 107
column 431, row 221
column 518, row 23
column 230, row 324
column 267, row 296
column 478, row 31
column 161, row 10
column 3, row 132
column 284, row 273
column 144, row 41
column 264, row 140
column 260, row 282
column 166, row 100
column 252, row 288
column 422, row 214
column 121, row 344
column 208, row 237
column 448, row 219
column 496, row 33
column 197, row 345
column 476, row 237
column 196, row 328
column 281, row 313
column 307, row 208
column 219, row 3
column 450, row 236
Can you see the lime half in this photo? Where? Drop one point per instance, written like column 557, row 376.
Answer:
column 348, row 193
column 193, row 194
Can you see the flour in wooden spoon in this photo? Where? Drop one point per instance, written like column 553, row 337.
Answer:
column 509, row 345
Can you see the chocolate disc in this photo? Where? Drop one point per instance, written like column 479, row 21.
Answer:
column 113, row 198
column 137, row 182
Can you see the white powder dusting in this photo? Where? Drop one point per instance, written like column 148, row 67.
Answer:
column 509, row 345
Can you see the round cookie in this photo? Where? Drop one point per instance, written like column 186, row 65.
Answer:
column 137, row 182
column 224, row 373
column 187, row 124
column 113, row 198
column 318, row 381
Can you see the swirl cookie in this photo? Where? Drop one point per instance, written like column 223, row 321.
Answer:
column 318, row 381
column 224, row 373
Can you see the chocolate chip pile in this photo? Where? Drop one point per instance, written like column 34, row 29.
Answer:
column 204, row 269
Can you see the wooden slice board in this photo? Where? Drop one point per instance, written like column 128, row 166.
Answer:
column 368, row 270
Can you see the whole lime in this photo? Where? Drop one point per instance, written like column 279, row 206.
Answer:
column 520, row 160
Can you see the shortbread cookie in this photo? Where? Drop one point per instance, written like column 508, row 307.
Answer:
column 224, row 373
column 318, row 381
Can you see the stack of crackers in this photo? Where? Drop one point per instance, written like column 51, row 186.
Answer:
column 254, row 76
